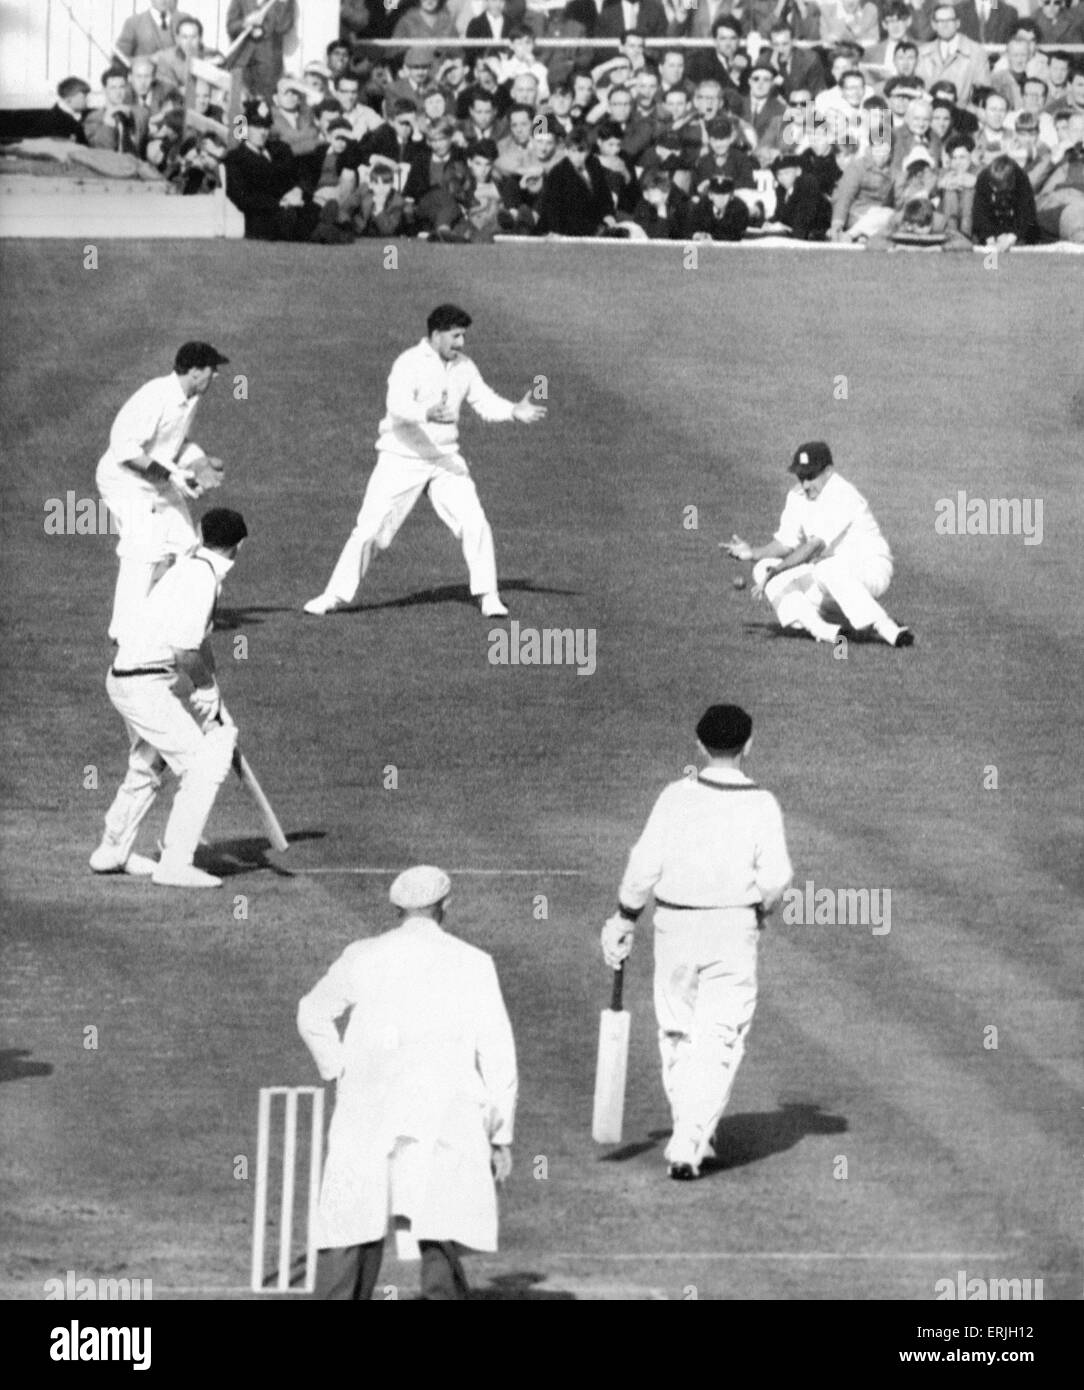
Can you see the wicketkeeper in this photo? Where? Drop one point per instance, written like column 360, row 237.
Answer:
column 149, row 473
column 714, row 854
column 162, row 684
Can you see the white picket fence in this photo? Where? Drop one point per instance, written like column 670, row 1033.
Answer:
column 41, row 41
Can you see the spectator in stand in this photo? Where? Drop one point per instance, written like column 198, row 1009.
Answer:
column 681, row 122
column 562, row 62
column 862, row 203
column 454, row 79
column 261, row 65
column 797, row 129
column 800, row 204
column 1009, row 81
column 428, row 20
column 617, row 170
column 899, row 93
column 414, row 80
column 853, row 21
column 481, row 122
column 1058, row 22
column 841, row 106
column 916, row 133
column 956, row 183
column 645, row 16
column 583, row 97
column 62, row 121
column 165, row 133
column 987, row 21
column 725, row 158
column 662, row 209
column 338, row 60
column 1060, row 203
column 616, row 109
column 147, row 31
column 171, row 64
column 905, row 61
column 523, row 90
column 1073, row 100
column 719, row 63
column 803, row 16
column 491, row 23
column 360, row 118
column 761, row 109
column 918, row 222
column 436, row 109
column 1058, row 69
column 647, row 122
column 963, row 121
column 262, row 179
column 916, row 179
column 523, row 60
column 795, row 68
column 1005, row 214
column 484, row 213
column 953, row 58
column 148, row 91
column 514, row 154
column 575, row 198
column 396, row 142
column 942, row 113
column 360, row 19
column 672, row 74
column 1025, row 147
column 993, row 138
column 198, row 164
column 430, row 161
column 879, row 60
column 707, row 104
column 292, row 121
column 719, row 215
column 112, row 126
column 1035, row 99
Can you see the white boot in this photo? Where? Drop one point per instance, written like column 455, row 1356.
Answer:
column 492, row 607
column 171, row 873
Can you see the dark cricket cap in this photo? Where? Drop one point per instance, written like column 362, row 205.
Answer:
column 257, row 112
column 724, row 728
column 191, row 355
column 721, row 184
column 222, row 528
column 720, row 128
column 811, row 459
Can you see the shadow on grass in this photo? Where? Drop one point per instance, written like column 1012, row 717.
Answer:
column 521, row 1287
column 16, row 1066
column 227, row 619
column 742, row 1139
column 230, row 858
column 455, row 593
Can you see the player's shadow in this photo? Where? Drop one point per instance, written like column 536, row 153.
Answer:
column 229, row 619
column 520, row 1287
column 742, row 1139
column 231, row 858
column 770, row 631
column 15, row 1065
column 456, row 593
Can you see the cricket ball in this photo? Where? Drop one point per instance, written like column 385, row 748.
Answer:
column 739, row 581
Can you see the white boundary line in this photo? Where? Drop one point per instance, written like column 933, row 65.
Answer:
column 478, row 873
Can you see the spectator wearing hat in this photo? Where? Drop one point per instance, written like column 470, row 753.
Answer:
column 266, row 181
column 718, row 214
column 800, row 204
column 828, row 560
column 1005, row 213
column 414, row 80
column 862, row 202
column 293, row 122
column 575, row 199
column 428, row 20
column 762, row 109
column 714, row 854
column 726, row 158
column 425, row 1097
column 662, row 211
column 917, row 178
column 261, row 63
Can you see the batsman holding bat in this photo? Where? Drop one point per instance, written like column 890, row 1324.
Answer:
column 714, row 854
column 148, row 474
column 162, row 684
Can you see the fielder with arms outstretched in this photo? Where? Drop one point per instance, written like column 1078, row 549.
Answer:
column 418, row 451
column 148, row 471
column 714, row 854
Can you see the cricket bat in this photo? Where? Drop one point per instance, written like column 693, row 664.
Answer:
column 613, row 1057
column 251, row 784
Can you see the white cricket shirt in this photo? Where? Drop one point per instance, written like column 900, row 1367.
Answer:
column 839, row 516
column 713, row 841
column 177, row 613
column 420, row 378
column 155, row 421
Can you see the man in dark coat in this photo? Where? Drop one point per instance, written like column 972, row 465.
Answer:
column 262, row 179
column 575, row 197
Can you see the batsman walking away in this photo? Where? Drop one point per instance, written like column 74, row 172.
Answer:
column 828, row 563
column 418, row 451
column 714, row 854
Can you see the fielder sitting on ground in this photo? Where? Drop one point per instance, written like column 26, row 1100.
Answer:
column 148, row 471
column 714, row 853
column 426, row 1072
column 827, row 560
column 418, row 451
column 163, row 686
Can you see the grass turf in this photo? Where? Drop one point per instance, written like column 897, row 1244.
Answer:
column 675, row 389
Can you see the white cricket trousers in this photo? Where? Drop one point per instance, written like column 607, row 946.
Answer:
column 395, row 485
column 805, row 595
column 705, row 996
column 154, row 526
column 161, row 733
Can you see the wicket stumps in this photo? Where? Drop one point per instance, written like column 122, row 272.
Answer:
column 289, row 1175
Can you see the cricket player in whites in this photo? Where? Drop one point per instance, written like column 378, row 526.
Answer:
column 827, row 560
column 162, row 684
column 418, row 451
column 148, row 472
column 714, row 854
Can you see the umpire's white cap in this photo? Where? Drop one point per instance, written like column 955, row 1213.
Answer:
column 421, row 886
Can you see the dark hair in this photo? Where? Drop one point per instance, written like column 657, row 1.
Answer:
column 724, row 21
column 1001, row 171
column 445, row 317
column 328, row 104
column 945, row 85
column 483, row 149
column 336, row 43
column 487, row 97
column 114, row 70
column 339, row 125
column 222, row 528
column 519, row 106
column 578, row 138
column 188, row 19
column 918, row 212
column 781, row 26
column 70, row 86
column 520, row 31
column 608, row 130
column 905, row 45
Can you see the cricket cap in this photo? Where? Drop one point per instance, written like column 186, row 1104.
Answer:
column 421, row 886
column 811, row 459
column 222, row 528
column 197, row 354
column 724, row 728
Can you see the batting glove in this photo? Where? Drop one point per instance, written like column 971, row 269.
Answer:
column 617, row 940
column 206, row 702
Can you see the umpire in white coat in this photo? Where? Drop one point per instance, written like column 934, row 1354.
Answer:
column 426, row 1098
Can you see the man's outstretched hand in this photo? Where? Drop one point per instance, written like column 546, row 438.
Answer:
column 526, row 412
